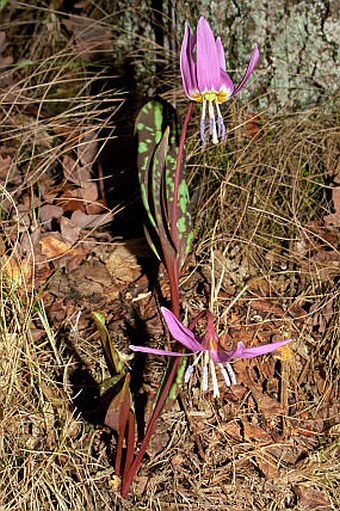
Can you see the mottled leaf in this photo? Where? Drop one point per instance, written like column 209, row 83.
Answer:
column 158, row 136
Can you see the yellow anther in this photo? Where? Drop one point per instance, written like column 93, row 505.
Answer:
column 222, row 96
column 196, row 96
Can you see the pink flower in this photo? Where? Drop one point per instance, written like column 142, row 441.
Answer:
column 209, row 348
column 205, row 79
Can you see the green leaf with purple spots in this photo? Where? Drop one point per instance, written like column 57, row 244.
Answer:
column 158, row 135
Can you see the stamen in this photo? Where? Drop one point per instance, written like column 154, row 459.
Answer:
column 202, row 123
column 205, row 381
column 213, row 122
column 190, row 369
column 211, row 126
column 231, row 373
column 214, row 379
column 220, row 123
column 188, row 373
column 225, row 375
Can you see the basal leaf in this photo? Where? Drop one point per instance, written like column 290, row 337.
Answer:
column 148, row 128
column 183, row 214
column 112, row 357
column 158, row 136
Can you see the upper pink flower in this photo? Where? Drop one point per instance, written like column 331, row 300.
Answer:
column 205, row 79
column 214, row 353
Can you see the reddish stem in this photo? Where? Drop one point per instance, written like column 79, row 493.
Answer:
column 149, row 430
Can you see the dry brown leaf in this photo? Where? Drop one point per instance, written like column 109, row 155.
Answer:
column 48, row 212
column 9, row 173
column 123, row 265
column 267, row 466
column 311, row 499
column 233, row 429
column 90, row 193
column 255, row 432
column 53, row 245
column 61, row 252
column 323, row 314
column 85, row 221
column 88, row 147
column 16, row 271
column 72, row 200
column 96, row 208
column 69, row 230
column 266, row 306
column 5, row 162
column 252, row 126
column 74, row 173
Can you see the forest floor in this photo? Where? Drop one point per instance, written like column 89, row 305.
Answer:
column 265, row 260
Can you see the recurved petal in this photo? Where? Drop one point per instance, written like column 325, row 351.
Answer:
column 220, row 53
column 251, row 66
column 180, row 332
column 145, row 349
column 187, row 63
column 243, row 352
column 208, row 62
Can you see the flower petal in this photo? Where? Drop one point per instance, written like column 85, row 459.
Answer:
column 145, row 349
column 208, row 62
column 180, row 332
column 251, row 66
column 227, row 84
column 220, row 53
column 243, row 352
column 187, row 63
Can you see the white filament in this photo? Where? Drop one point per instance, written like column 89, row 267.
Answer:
column 205, row 378
column 216, row 390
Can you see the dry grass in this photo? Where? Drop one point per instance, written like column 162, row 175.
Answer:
column 261, row 200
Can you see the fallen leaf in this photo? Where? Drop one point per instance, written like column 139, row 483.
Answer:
column 72, row 200
column 233, row 429
column 18, row 272
column 322, row 313
column 49, row 212
column 90, row 194
column 310, row 499
column 69, row 230
column 266, row 306
column 96, row 208
column 267, row 465
column 85, row 221
column 88, row 148
column 61, row 252
column 252, row 125
column 255, row 432
column 74, row 173
column 53, row 246
column 123, row 265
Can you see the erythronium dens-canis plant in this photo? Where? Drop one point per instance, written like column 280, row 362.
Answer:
column 164, row 191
